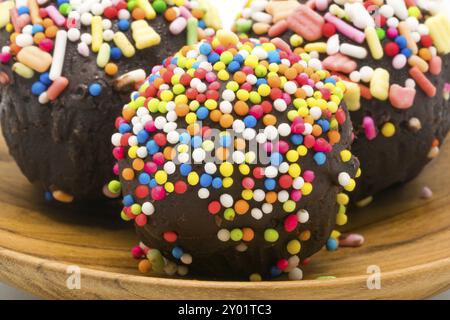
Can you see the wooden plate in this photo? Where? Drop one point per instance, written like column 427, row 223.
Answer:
column 406, row 237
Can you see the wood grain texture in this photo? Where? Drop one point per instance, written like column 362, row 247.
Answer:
column 407, row 237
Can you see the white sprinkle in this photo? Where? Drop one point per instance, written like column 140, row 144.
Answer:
column 302, row 216
column 148, row 208
column 344, row 179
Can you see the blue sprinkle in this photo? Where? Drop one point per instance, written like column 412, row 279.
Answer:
column 152, row 183
column 60, row 2
column 37, row 28
column 213, row 57
column 276, row 159
column 233, row 66
column 205, row 48
column 202, row 113
column 196, row 65
column 320, row 158
column 201, row 24
column 225, row 141
column 128, row 200
column 217, row 183
column 205, row 180
column 297, row 139
column 124, row 128
column 332, row 244
column 37, row 88
column 45, row 79
column 185, row 169
column 324, row 124
column 275, row 271
column 250, row 121
column 152, row 147
column 196, row 141
column 115, row 53
column 123, row 25
column 177, row 252
column 406, row 52
column 135, row 95
column 330, row 80
column 142, row 136
column 238, row 58
column 144, row 178
column 95, row 89
column 185, row 138
column 270, row 184
column 273, row 56
column 260, row 81
column 401, row 41
column 48, row 196
column 23, row 10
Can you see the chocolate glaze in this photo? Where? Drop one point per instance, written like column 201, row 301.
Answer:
column 65, row 144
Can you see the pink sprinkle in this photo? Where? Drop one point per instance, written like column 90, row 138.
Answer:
column 118, row 153
column 282, row 264
column 426, row 193
column 46, row 44
column 346, row 29
column 309, row 176
column 321, row 145
column 158, row 158
column 184, row 12
column 137, row 252
column 211, row 77
column 351, row 240
column 257, row 111
column 158, row 193
column 290, row 223
column 369, row 128
column 296, row 195
column 116, row 169
column 248, row 183
column 5, row 57
column 56, row 16
column 392, row 33
column 400, row 97
column 150, row 126
column 150, row 167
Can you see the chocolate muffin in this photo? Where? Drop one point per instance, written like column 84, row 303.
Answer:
column 396, row 55
column 68, row 67
column 232, row 158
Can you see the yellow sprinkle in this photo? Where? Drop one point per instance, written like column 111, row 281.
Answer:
column 5, row 8
column 320, row 47
column 352, row 96
column 122, row 42
column 193, row 178
column 144, row 35
column 439, row 27
column 374, row 43
column 388, row 129
column 22, row 70
column 96, row 33
column 293, row 247
column 346, row 155
column 147, row 7
column 379, row 85
column 227, row 37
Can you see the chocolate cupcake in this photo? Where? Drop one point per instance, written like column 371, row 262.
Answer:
column 393, row 55
column 232, row 158
column 66, row 70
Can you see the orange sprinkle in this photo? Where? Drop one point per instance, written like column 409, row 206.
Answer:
column 425, row 54
column 435, row 143
column 128, row 174
column 158, row 82
column 14, row 48
column 247, row 234
column 298, row 67
column 198, row 13
column 240, row 77
column 304, row 235
column 226, row 120
column 128, row 113
column 239, row 144
column 111, row 69
column 334, row 136
column 138, row 164
column 282, row 69
column 193, row 129
column 274, row 81
column 51, row 31
column 241, row 108
column 144, row 266
column 38, row 37
column 215, row 115
column 241, row 207
column 181, row 109
column 222, row 153
column 271, row 197
column 170, row 14
column 169, row 153
column 300, row 93
column 290, row 73
column 47, row 22
column 138, row 14
column 317, row 130
column 269, row 120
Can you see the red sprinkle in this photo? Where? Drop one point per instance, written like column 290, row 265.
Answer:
column 214, row 207
column 328, row 29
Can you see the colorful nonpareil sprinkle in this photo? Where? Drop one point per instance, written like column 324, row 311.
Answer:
column 353, row 32
column 240, row 92
column 41, row 30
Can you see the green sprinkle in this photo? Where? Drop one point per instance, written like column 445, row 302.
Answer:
column 114, row 186
column 65, row 8
column 271, row 235
column 236, row 234
column 229, row 214
column 160, row 6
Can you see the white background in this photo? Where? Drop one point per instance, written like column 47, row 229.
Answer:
column 228, row 9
